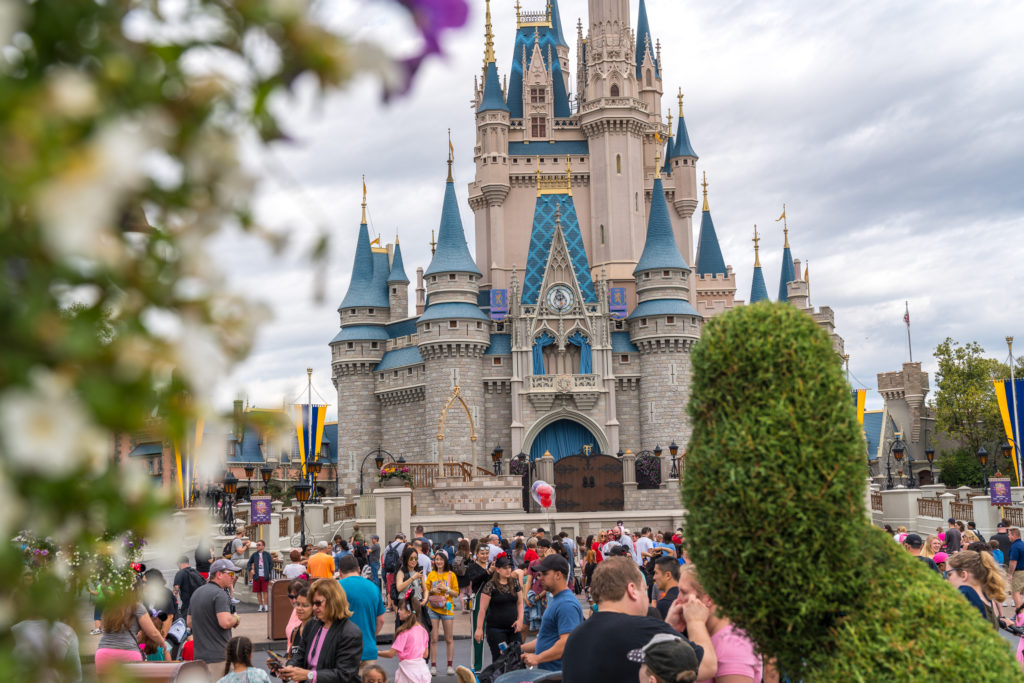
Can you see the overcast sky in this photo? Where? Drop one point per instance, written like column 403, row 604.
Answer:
column 894, row 133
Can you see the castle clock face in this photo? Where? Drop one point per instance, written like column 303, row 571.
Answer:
column 560, row 298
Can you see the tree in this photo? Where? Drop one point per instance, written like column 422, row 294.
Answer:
column 961, row 468
column 965, row 402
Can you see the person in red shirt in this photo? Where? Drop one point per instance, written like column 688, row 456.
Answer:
column 531, row 551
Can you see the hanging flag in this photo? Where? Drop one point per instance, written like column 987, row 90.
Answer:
column 782, row 216
column 807, row 272
column 657, row 137
column 1011, row 422
column 859, row 396
column 906, row 317
column 375, row 240
column 185, row 464
column 617, row 302
column 364, row 188
column 309, row 426
column 451, row 147
column 499, row 304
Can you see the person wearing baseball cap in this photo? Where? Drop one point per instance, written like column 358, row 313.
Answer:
column 665, row 659
column 914, row 544
column 562, row 615
column 211, row 617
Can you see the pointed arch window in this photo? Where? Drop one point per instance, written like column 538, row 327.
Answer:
column 648, row 78
column 539, row 343
column 614, row 91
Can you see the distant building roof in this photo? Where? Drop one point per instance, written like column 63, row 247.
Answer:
column 709, row 254
column 758, row 290
column 398, row 358
column 154, row 448
column 492, row 99
column 873, row 431
column 644, row 41
column 682, row 147
column 548, row 39
column 452, row 252
column 788, row 273
column 548, row 208
column 363, row 288
column 361, row 333
column 621, row 343
column 401, row 328
column 397, row 273
column 663, row 307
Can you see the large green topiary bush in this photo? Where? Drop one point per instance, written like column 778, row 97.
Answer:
column 774, row 484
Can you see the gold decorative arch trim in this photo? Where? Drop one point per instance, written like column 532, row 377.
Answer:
column 442, row 421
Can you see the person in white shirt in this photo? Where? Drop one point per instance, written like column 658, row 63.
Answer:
column 613, row 540
column 493, row 549
column 627, row 540
column 643, row 545
column 423, row 556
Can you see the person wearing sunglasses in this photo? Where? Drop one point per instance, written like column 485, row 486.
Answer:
column 302, row 610
column 331, row 645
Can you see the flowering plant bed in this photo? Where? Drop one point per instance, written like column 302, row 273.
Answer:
column 394, row 472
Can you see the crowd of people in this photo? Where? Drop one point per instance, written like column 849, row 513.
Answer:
column 526, row 595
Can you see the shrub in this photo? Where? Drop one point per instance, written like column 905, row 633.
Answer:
column 960, row 468
column 775, row 491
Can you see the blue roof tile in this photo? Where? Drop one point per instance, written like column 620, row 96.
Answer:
column 398, row 358
column 401, row 328
column 361, row 333
column 644, row 41
column 363, row 290
column 758, row 291
column 574, row 147
column 547, row 38
column 454, row 309
column 556, row 24
column 501, row 345
column 541, row 236
column 621, row 343
column 709, row 253
column 492, row 99
column 397, row 273
column 452, row 253
column 663, row 307
column 660, row 248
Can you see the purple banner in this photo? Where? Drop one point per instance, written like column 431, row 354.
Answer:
column 499, row 304
column 259, row 509
column 999, row 491
column 617, row 302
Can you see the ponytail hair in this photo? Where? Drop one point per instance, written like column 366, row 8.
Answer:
column 983, row 567
column 239, row 651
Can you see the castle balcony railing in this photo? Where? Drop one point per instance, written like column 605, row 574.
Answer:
column 424, row 473
column 614, row 102
column 563, row 384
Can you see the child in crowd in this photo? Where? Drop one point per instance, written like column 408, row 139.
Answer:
column 374, row 674
column 412, row 643
column 238, row 666
column 666, row 659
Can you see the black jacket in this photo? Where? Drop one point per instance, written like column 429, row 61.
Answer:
column 339, row 655
column 268, row 565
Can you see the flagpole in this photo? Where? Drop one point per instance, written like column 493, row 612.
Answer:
column 906, row 319
column 1016, row 415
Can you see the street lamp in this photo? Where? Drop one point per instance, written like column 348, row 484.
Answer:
column 673, row 450
column 314, row 469
column 1007, row 450
column 265, row 474
column 302, row 495
column 379, row 455
column 930, row 454
column 983, row 459
column 620, row 453
column 249, row 469
column 230, row 487
column 657, row 451
column 496, row 458
column 896, row 450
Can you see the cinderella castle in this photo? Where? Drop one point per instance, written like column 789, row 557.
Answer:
column 570, row 328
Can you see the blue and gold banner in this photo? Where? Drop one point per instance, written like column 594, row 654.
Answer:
column 185, row 465
column 859, row 396
column 499, row 304
column 617, row 302
column 1011, row 422
column 309, row 425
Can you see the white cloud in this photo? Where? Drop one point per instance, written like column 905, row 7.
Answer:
column 893, row 132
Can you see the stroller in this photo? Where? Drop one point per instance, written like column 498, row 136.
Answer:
column 508, row 661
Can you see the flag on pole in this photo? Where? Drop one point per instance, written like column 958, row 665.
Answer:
column 807, row 272
column 364, row 188
column 309, row 426
column 859, row 395
column 1004, row 398
column 657, row 137
column 451, row 147
column 906, row 317
column 782, row 216
column 375, row 240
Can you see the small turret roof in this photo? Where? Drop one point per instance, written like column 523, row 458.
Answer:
column 452, row 253
column 709, row 253
column 788, row 273
column 397, row 267
column 556, row 25
column 682, row 147
column 660, row 248
column 758, row 290
column 362, row 287
column 492, row 99
column 644, row 41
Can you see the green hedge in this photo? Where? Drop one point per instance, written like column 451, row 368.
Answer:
column 775, row 484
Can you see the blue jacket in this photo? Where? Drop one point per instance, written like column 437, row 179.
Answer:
column 253, row 565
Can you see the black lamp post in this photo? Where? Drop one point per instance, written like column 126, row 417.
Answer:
column 314, row 469
column 265, row 474
column 930, row 454
column 673, row 450
column 230, row 488
column 896, row 450
column 379, row 455
column 983, row 459
column 657, row 451
column 249, row 469
column 496, row 458
column 302, row 495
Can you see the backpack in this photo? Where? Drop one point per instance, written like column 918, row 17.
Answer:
column 391, row 559
column 459, row 565
column 228, row 548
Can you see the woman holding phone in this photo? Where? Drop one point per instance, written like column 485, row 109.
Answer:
column 331, row 645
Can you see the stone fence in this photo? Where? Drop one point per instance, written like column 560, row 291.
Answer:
column 923, row 510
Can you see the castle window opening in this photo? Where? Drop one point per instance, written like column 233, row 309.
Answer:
column 536, row 95
column 665, row 273
column 624, row 358
column 582, row 160
column 602, row 234
column 479, row 325
column 636, row 201
column 643, row 322
column 408, row 371
column 351, row 345
column 497, row 361
column 647, row 276
column 618, row 324
column 394, row 374
column 369, row 311
column 618, row 164
column 615, row 91
column 451, row 276
column 648, row 77
column 500, row 327
column 394, row 290
column 426, row 327
column 538, row 127
column 453, row 324
column 670, row 320
column 373, row 345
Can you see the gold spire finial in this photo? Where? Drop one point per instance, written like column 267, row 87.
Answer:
column 657, row 156
column 680, row 103
column 364, row 198
column 785, row 226
column 568, row 173
column 517, row 13
column 538, row 176
column 670, row 123
column 705, row 185
column 488, row 37
column 451, row 154
column 396, row 238
column 432, row 243
column 757, row 258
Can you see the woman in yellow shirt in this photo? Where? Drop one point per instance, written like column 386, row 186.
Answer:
column 442, row 590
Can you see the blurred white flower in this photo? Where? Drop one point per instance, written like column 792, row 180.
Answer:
column 10, row 19
column 200, row 358
column 135, row 482
column 72, row 93
column 79, row 206
column 45, row 429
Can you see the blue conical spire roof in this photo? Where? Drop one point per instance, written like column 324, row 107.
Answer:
column 397, row 273
column 452, row 253
column 788, row 273
column 682, row 147
column 758, row 291
column 556, row 24
column 644, row 41
column 362, row 289
column 709, row 253
column 660, row 248
column 492, row 99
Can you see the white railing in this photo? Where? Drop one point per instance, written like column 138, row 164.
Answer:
column 563, row 383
